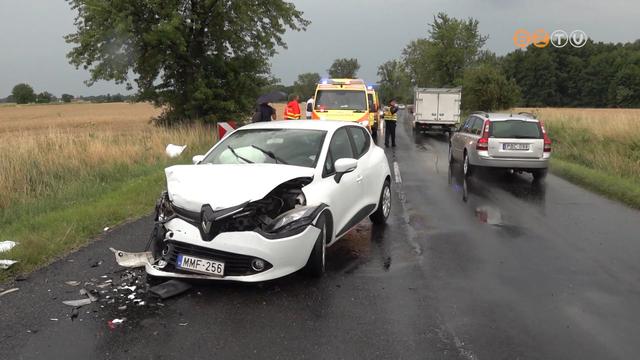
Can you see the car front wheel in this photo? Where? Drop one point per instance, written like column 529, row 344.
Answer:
column 384, row 205
column 318, row 257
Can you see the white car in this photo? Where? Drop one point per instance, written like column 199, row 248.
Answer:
column 266, row 201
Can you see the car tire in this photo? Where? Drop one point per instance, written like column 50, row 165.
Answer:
column 451, row 159
column 318, row 258
column 381, row 214
column 539, row 174
column 467, row 168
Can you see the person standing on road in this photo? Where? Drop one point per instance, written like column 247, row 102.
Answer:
column 390, row 120
column 310, row 107
column 292, row 111
column 265, row 112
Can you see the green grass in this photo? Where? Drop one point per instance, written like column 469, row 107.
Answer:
column 615, row 187
column 51, row 227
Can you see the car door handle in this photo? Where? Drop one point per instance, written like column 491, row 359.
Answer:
column 359, row 178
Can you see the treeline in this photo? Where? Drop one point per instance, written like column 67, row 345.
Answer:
column 453, row 54
column 24, row 94
column 595, row 75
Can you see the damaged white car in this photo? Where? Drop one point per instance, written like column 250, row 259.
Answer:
column 266, row 201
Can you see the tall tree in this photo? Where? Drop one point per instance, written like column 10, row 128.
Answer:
column 344, row 68
column 23, row 94
column 66, row 98
column 44, row 97
column 394, row 82
column 486, row 88
column 199, row 58
column 452, row 46
column 305, row 85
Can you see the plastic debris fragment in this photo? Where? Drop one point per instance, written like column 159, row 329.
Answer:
column 174, row 150
column 115, row 322
column 127, row 259
column 8, row 291
column 7, row 245
column 169, row 288
column 72, row 283
column 5, row 264
column 77, row 303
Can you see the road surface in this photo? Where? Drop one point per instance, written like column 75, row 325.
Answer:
column 490, row 268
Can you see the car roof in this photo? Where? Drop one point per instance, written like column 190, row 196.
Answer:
column 327, row 125
column 506, row 116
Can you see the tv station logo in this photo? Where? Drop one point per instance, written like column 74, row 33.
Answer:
column 540, row 38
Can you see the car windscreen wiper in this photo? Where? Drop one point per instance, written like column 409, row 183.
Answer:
column 270, row 154
column 238, row 156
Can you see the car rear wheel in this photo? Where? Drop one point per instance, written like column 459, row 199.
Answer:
column 318, row 257
column 467, row 168
column 539, row 174
column 384, row 205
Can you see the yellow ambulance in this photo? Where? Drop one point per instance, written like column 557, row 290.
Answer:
column 342, row 99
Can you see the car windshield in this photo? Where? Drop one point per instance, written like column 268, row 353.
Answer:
column 341, row 100
column 515, row 129
column 269, row 146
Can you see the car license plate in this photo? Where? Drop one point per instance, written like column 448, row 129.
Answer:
column 203, row 266
column 515, row 147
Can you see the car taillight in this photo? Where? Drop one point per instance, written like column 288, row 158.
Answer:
column 547, row 141
column 483, row 142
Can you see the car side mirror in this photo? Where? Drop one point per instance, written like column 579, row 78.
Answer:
column 197, row 159
column 344, row 166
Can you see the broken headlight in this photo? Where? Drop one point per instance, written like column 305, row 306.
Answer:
column 300, row 216
column 164, row 210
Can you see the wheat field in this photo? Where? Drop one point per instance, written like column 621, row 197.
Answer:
column 44, row 147
column 607, row 140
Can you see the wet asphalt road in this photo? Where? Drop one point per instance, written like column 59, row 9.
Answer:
column 494, row 267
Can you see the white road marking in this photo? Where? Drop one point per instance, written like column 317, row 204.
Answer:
column 396, row 172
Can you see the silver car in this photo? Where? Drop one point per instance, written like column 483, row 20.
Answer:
column 509, row 141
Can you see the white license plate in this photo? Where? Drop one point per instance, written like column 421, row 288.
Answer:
column 515, row 147
column 203, row 266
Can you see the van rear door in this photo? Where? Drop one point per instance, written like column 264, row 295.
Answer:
column 449, row 107
column 515, row 138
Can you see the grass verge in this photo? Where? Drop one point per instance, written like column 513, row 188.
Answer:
column 59, row 225
column 611, row 186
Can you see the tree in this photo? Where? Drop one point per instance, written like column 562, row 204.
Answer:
column 486, row 89
column 44, row 97
column 344, row 68
column 452, row 46
column 23, row 94
column 66, row 98
column 394, row 82
column 198, row 58
column 305, row 86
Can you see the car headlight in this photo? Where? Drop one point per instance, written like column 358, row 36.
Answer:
column 300, row 216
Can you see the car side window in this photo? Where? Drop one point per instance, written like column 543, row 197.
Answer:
column 476, row 128
column 467, row 125
column 339, row 148
column 361, row 140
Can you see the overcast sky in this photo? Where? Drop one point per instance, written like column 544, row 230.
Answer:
column 373, row 31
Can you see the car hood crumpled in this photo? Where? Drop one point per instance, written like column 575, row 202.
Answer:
column 224, row 186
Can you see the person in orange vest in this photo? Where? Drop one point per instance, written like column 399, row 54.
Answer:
column 292, row 111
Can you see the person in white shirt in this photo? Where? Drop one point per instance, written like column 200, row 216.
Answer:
column 309, row 107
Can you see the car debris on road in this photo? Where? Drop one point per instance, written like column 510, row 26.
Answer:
column 169, row 289
column 8, row 291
